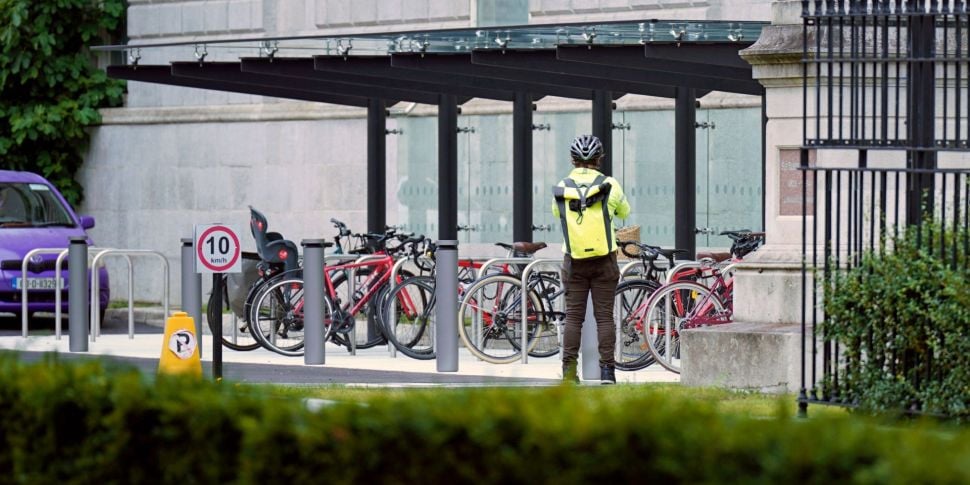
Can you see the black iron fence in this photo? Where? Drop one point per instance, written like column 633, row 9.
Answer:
column 879, row 76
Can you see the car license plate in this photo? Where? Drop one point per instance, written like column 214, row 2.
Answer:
column 37, row 283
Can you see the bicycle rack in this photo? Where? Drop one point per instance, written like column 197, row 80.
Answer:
column 684, row 265
column 525, row 293
column 352, row 288
column 57, row 297
column 506, row 260
column 96, row 286
column 391, row 349
column 61, row 252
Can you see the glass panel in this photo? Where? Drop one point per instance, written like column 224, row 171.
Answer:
column 417, row 191
column 701, row 132
column 734, row 171
column 502, row 12
column 485, row 172
column 551, row 162
column 648, row 174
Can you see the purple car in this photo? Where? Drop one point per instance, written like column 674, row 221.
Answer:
column 33, row 214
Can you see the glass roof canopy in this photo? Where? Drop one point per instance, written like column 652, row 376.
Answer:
column 466, row 40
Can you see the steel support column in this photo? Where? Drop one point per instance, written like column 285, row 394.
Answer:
column 603, row 126
column 685, row 171
column 376, row 165
column 447, row 167
column 522, row 167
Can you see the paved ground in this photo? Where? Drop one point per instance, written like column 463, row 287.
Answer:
column 368, row 367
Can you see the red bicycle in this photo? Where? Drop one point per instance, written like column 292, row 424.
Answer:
column 278, row 309
column 684, row 304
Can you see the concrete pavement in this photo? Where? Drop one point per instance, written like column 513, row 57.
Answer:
column 369, row 367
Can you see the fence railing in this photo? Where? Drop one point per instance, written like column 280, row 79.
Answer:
column 851, row 212
column 878, row 75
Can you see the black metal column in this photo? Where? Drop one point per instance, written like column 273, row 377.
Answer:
column 522, row 167
column 603, row 126
column 447, row 167
column 685, row 171
column 920, row 117
column 376, row 165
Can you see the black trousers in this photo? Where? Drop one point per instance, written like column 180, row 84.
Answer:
column 597, row 276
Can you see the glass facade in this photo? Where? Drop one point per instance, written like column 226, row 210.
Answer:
column 728, row 172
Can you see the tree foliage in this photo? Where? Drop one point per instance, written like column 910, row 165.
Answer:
column 50, row 87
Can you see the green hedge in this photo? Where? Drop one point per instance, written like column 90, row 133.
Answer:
column 902, row 320
column 82, row 423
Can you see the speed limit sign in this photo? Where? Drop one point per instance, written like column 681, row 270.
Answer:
column 217, row 249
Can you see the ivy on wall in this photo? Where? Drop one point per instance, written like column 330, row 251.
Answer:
column 50, row 87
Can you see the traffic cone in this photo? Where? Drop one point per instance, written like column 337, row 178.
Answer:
column 180, row 348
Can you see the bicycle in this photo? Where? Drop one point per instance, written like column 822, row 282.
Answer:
column 684, row 305
column 411, row 328
column 492, row 312
column 631, row 294
column 278, row 309
column 276, row 255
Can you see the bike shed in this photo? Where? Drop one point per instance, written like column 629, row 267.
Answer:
column 598, row 62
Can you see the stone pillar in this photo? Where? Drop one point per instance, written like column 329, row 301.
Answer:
column 761, row 349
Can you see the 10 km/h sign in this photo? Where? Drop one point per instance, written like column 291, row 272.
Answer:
column 217, row 249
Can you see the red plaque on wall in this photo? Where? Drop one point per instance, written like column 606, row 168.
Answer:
column 790, row 183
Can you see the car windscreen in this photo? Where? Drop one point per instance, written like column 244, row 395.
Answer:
column 31, row 205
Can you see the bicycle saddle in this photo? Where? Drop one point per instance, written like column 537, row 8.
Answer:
column 524, row 248
column 270, row 246
column 741, row 234
column 670, row 253
column 717, row 257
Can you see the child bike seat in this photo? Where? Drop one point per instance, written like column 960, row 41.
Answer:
column 270, row 246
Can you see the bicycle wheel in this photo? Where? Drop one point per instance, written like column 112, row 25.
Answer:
column 367, row 325
column 629, row 309
column 675, row 307
column 410, row 327
column 488, row 312
column 544, row 326
column 235, row 332
column 277, row 313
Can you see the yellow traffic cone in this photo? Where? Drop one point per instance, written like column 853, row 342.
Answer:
column 180, row 349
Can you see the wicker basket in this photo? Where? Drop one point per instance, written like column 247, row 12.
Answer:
column 628, row 233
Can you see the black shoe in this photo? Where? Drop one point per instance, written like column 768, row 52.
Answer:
column 607, row 374
column 569, row 373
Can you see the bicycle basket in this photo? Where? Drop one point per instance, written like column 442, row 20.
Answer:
column 628, row 233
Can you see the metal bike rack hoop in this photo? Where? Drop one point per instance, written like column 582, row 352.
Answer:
column 525, row 296
column 492, row 262
column 96, row 283
column 24, row 277
column 57, row 285
column 391, row 349
column 684, row 265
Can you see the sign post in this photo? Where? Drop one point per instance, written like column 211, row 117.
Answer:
column 217, row 251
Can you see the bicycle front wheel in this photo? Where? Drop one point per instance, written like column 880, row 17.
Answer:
column 409, row 317
column 277, row 314
column 675, row 307
column 235, row 332
column 630, row 310
column 490, row 312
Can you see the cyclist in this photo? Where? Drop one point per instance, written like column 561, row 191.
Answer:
column 586, row 201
